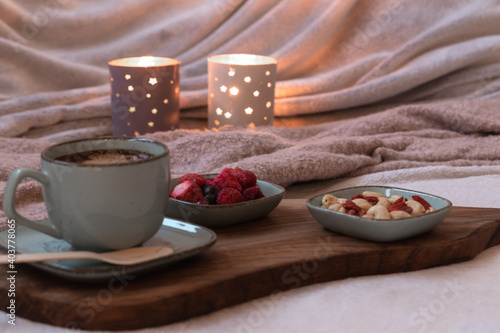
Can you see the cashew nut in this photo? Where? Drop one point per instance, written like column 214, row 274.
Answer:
column 384, row 201
column 363, row 204
column 399, row 214
column 372, row 194
column 341, row 200
column 416, row 206
column 394, row 197
column 338, row 208
column 379, row 212
column 328, row 200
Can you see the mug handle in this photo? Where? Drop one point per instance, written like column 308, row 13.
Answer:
column 9, row 199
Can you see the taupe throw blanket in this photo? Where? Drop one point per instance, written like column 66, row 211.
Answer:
column 331, row 54
column 445, row 133
column 433, row 65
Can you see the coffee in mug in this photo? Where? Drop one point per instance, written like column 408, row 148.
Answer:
column 110, row 156
column 101, row 193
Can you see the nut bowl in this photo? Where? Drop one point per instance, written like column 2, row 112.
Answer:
column 378, row 230
column 224, row 215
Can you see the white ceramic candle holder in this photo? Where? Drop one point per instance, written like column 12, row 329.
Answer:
column 241, row 90
column 144, row 95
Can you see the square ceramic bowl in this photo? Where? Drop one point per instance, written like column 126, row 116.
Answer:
column 378, row 230
column 223, row 215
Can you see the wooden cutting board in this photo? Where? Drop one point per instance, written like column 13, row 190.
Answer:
column 287, row 249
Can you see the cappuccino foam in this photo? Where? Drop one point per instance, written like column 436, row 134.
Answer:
column 104, row 157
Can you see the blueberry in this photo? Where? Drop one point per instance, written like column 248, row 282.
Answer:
column 210, row 194
column 210, row 190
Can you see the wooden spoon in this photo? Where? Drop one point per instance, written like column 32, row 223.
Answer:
column 129, row 256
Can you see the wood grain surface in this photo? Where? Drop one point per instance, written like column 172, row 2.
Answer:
column 288, row 249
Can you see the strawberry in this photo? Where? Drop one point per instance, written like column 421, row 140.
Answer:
column 188, row 191
column 229, row 195
column 226, row 179
column 252, row 193
column 194, row 177
column 246, row 178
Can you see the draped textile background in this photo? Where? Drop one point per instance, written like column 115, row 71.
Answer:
column 392, row 92
column 331, row 55
column 425, row 76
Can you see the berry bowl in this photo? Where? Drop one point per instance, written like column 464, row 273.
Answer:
column 225, row 214
column 383, row 228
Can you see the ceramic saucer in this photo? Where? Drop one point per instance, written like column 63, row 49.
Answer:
column 184, row 238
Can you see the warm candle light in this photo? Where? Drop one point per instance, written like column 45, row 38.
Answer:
column 241, row 90
column 145, row 95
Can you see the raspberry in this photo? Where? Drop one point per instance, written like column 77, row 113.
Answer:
column 226, row 179
column 252, row 193
column 194, row 177
column 246, row 178
column 229, row 195
column 208, row 181
column 188, row 191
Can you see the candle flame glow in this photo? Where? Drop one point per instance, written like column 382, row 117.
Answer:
column 146, row 61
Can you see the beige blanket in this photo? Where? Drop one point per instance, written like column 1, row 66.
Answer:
column 444, row 133
column 425, row 75
column 433, row 67
column 331, row 54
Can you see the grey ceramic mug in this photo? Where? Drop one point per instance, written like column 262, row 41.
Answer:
column 99, row 207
